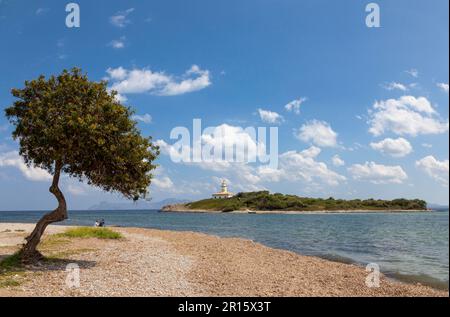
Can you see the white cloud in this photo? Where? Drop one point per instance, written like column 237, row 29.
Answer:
column 302, row 166
column 236, row 140
column 76, row 190
column 120, row 19
column 394, row 147
column 194, row 79
column 175, row 154
column 405, row 116
column 13, row 159
column 270, row 116
column 121, row 98
column 396, row 86
column 42, row 11
column 337, row 161
column 319, row 133
column 146, row 118
column 438, row 170
column 158, row 83
column 293, row 166
column 163, row 183
column 294, row 105
column 118, row 44
column 238, row 145
column 427, row 145
column 119, row 73
column 377, row 173
column 413, row 72
column 443, row 87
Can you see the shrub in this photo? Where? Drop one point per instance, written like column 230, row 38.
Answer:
column 87, row 232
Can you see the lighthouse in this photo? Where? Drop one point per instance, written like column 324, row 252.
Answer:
column 224, row 193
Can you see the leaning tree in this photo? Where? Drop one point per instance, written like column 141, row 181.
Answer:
column 68, row 124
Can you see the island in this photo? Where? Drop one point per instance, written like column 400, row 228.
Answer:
column 265, row 202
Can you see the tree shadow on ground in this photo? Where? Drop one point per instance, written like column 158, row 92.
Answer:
column 47, row 264
column 59, row 264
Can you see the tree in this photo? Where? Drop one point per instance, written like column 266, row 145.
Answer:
column 68, row 124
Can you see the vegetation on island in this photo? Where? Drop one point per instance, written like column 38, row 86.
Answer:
column 67, row 124
column 266, row 201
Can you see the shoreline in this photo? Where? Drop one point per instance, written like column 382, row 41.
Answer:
column 184, row 209
column 207, row 263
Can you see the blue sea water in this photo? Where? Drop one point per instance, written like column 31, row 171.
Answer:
column 412, row 247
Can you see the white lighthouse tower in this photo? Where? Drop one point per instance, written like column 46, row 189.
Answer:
column 224, row 193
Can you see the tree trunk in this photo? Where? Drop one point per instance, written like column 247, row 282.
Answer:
column 29, row 253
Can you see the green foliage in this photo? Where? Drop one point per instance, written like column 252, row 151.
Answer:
column 10, row 262
column 9, row 282
column 80, row 124
column 265, row 201
column 11, row 271
column 88, row 232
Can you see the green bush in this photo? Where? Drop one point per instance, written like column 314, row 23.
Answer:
column 88, row 232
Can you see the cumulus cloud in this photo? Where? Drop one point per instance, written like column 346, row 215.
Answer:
column 319, row 133
column 236, row 140
column 13, row 159
column 158, row 83
column 293, row 166
column 303, row 166
column 394, row 147
column 42, row 11
column 120, row 19
column 407, row 115
column 395, row 86
column 118, row 44
column 76, row 190
column 163, row 183
column 146, row 118
column 220, row 146
column 413, row 72
column 377, row 173
column 270, row 116
column 443, row 87
column 294, row 105
column 438, row 170
column 337, row 161
column 118, row 73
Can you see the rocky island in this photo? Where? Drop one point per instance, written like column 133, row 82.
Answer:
column 265, row 202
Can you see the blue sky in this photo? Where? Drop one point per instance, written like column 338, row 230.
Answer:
column 373, row 119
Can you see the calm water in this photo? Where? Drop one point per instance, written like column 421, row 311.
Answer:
column 408, row 246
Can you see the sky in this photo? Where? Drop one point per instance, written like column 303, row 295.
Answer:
column 361, row 112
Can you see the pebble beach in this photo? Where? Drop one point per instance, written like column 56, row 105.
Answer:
column 147, row 262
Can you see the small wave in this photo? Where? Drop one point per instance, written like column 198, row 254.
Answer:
column 419, row 278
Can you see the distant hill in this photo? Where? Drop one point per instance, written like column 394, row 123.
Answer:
column 140, row 205
column 265, row 201
column 438, row 207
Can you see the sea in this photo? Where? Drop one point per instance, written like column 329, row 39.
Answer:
column 411, row 247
